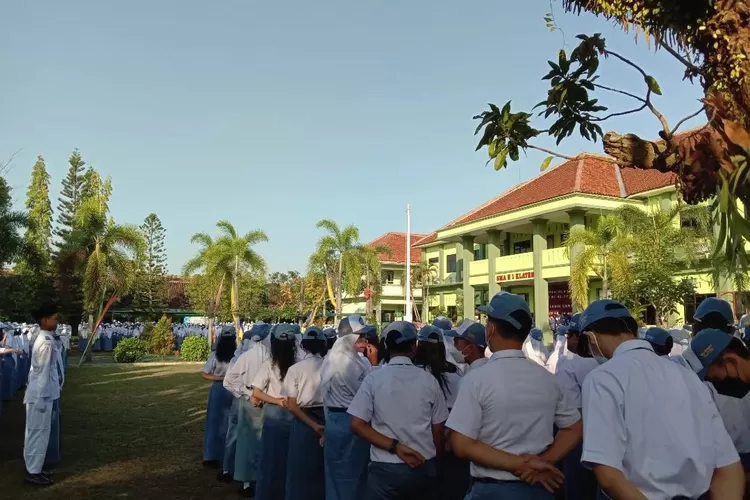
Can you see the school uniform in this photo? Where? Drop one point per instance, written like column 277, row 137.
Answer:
column 454, row 478
column 534, row 348
column 217, row 414
column 53, row 456
column 401, row 401
column 558, row 349
column 305, row 479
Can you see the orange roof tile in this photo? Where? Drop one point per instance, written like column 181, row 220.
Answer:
column 397, row 243
column 427, row 239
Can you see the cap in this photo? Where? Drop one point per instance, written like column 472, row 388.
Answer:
column 656, row 335
column 258, row 331
column 705, row 348
column 503, row 305
column 351, row 324
column 285, row 331
column 602, row 309
column 714, row 305
column 431, row 334
column 329, row 333
column 400, row 332
column 562, row 330
column 228, row 331
column 536, row 334
column 575, row 323
column 443, row 323
column 313, row 333
column 473, row 332
column 745, row 321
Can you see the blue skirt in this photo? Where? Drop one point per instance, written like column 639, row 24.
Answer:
column 306, row 479
column 249, row 428
column 274, row 450
column 580, row 482
column 346, row 459
column 230, row 446
column 9, row 371
column 217, row 416
column 508, row 490
column 53, row 447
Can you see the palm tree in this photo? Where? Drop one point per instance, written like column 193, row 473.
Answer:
column 426, row 274
column 204, row 261
column 370, row 257
column 343, row 248
column 11, row 224
column 602, row 252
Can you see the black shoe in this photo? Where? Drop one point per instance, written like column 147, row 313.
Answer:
column 47, row 473
column 214, row 464
column 38, row 479
column 224, row 477
column 248, row 492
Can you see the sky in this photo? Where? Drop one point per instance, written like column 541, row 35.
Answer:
column 274, row 115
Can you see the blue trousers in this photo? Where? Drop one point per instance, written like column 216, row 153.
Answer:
column 508, row 490
column 217, row 417
column 9, row 374
column 230, row 443
column 249, row 429
column 274, row 452
column 306, row 477
column 580, row 482
column 387, row 481
column 346, row 458
column 454, row 478
column 53, row 448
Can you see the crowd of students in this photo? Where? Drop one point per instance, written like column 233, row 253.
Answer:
column 482, row 412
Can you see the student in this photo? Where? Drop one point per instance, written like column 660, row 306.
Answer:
column 683, row 451
column 400, row 410
column 330, row 334
column 305, row 479
column 43, row 389
column 238, row 380
column 53, row 457
column 534, row 348
column 554, row 360
column 219, row 399
column 277, row 421
column 505, row 412
column 470, row 341
column 346, row 455
column 660, row 339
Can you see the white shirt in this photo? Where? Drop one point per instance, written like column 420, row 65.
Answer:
column 655, row 422
column 453, row 384
column 536, row 351
column 476, row 364
column 571, row 374
column 268, row 379
column 215, row 367
column 302, row 382
column 511, row 404
column 44, row 380
column 342, row 372
column 734, row 412
column 239, row 377
column 401, row 401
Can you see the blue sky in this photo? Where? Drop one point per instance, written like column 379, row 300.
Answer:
column 274, row 115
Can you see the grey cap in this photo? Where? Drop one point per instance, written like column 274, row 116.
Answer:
column 354, row 324
column 400, row 332
column 313, row 333
column 431, row 334
column 285, row 331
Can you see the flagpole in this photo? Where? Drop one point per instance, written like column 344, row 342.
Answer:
column 408, row 308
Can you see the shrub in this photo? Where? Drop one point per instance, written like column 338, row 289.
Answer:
column 195, row 348
column 148, row 332
column 162, row 340
column 130, row 350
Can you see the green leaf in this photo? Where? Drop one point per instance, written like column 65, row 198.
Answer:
column 500, row 159
column 546, row 163
column 653, row 85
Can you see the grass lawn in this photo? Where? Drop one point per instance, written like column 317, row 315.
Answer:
column 127, row 432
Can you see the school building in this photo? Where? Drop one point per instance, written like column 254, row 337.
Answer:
column 516, row 241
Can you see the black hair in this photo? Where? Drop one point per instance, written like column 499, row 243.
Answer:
column 508, row 331
column 225, row 348
column 738, row 347
column 395, row 348
column 383, row 353
column 712, row 320
column 45, row 311
column 614, row 326
column 663, row 350
column 431, row 356
column 283, row 354
column 314, row 346
column 330, row 342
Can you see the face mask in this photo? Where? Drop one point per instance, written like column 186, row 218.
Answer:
column 732, row 387
column 458, row 356
column 596, row 351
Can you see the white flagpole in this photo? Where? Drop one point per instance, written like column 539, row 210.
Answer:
column 408, row 311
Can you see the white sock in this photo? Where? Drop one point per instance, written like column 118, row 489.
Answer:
column 245, row 485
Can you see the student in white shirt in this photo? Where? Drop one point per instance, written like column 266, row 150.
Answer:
column 682, row 452
column 305, row 479
column 346, row 455
column 219, row 399
column 277, row 421
column 505, row 412
column 534, row 348
column 558, row 349
column 400, row 410
column 470, row 342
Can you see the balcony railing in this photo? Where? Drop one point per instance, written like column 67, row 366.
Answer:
column 555, row 257
column 517, row 262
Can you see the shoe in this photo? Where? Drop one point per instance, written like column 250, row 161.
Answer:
column 248, row 492
column 37, row 479
column 214, row 464
column 47, row 473
column 224, row 477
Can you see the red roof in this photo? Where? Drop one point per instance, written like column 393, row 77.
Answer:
column 586, row 173
column 427, row 239
column 397, row 243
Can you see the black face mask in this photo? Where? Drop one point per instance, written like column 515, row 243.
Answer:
column 732, row 387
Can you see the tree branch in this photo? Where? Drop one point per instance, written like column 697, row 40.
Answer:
column 689, row 65
column 604, row 87
column 550, row 152
column 679, row 123
column 621, row 113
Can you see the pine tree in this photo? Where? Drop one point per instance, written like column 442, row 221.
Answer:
column 71, row 196
column 151, row 289
column 39, row 230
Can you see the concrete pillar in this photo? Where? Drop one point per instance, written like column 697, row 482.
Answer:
column 442, row 300
column 441, row 265
column 467, row 256
column 541, row 290
column 577, row 223
column 493, row 253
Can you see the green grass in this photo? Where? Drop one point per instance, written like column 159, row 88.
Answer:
column 127, row 432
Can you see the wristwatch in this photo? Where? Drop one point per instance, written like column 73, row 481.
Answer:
column 392, row 449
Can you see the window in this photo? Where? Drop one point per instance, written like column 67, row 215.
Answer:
column 388, row 277
column 434, row 260
column 688, row 223
column 551, row 241
column 522, row 246
column 451, row 263
column 563, row 238
column 480, row 253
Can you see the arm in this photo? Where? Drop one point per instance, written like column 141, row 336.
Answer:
column 295, row 410
column 728, row 483
column 211, row 377
column 365, row 431
column 438, row 438
column 41, row 363
column 262, row 396
column 615, row 484
column 565, row 440
column 484, row 454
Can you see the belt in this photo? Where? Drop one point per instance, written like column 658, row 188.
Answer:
column 492, row 480
column 334, row 409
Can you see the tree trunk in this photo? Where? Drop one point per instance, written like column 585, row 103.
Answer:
column 339, row 287
column 605, row 279
column 425, row 302
column 92, row 337
column 368, row 306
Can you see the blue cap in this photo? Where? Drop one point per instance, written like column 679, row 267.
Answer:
column 536, row 334
column 562, row 330
column 228, row 331
column 285, row 331
column 575, row 323
column 431, row 334
column 503, row 304
column 473, row 332
column 714, row 305
column 313, row 333
column 656, row 335
column 330, row 333
column 259, row 330
column 443, row 323
column 705, row 348
column 602, row 309
column 400, row 332
column 352, row 324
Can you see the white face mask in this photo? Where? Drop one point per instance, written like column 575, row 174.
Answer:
column 597, row 354
column 458, row 356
